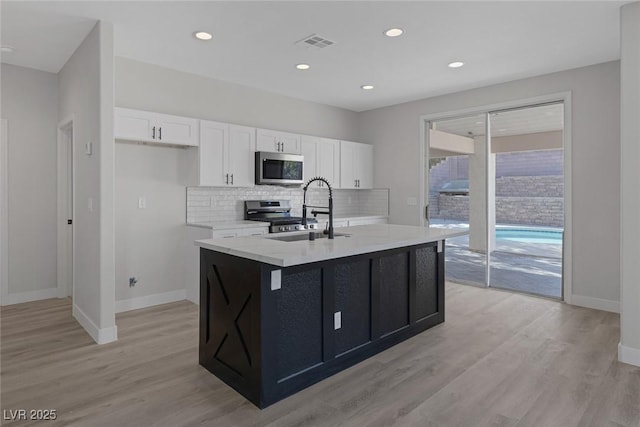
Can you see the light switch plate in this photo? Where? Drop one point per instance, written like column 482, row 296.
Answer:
column 88, row 148
column 337, row 320
column 142, row 202
column 412, row 201
column 276, row 280
column 90, row 204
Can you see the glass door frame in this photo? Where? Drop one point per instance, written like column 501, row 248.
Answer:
column 565, row 98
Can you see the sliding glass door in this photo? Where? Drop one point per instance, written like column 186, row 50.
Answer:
column 499, row 176
column 457, row 193
column 528, row 196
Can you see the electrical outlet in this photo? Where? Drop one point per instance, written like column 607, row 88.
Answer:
column 132, row 282
column 337, row 320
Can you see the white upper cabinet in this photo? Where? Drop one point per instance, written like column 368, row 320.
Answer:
column 321, row 158
column 278, row 142
column 356, row 165
column 145, row 126
column 226, row 155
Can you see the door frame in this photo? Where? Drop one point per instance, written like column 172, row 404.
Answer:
column 66, row 279
column 4, row 210
column 565, row 98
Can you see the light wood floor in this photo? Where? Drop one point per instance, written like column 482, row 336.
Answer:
column 500, row 359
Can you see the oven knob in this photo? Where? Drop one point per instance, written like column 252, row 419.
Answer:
column 282, row 228
column 288, row 228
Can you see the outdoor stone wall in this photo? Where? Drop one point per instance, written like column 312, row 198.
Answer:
column 530, row 186
column 541, row 211
column 523, row 174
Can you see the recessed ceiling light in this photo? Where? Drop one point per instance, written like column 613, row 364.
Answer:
column 456, row 64
column 303, row 66
column 202, row 35
column 6, row 49
column 366, row 87
column 394, row 32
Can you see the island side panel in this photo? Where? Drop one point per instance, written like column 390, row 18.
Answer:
column 230, row 341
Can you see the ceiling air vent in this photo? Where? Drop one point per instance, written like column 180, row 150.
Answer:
column 314, row 40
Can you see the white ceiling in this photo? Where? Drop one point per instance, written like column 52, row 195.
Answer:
column 254, row 42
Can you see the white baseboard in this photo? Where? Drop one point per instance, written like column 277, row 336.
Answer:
column 20, row 297
column 629, row 355
column 149, row 300
column 100, row 336
column 596, row 303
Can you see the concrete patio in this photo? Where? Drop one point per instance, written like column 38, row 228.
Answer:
column 534, row 268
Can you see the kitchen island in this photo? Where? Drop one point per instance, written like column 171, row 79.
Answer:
column 278, row 313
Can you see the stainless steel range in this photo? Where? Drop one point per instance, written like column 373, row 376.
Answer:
column 278, row 214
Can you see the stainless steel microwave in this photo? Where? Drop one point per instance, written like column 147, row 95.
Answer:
column 279, row 168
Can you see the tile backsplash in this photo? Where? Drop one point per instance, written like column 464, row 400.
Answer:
column 208, row 204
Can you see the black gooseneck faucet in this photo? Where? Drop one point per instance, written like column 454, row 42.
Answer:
column 316, row 212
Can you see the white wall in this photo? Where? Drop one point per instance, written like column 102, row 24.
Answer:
column 149, row 87
column 30, row 106
column 86, row 93
column 395, row 132
column 148, row 240
column 629, row 349
column 161, row 174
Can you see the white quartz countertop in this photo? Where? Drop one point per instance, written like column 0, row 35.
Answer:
column 362, row 239
column 229, row 225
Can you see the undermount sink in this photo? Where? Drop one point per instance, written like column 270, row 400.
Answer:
column 305, row 236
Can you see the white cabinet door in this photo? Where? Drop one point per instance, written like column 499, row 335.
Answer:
column 253, row 231
column 347, row 164
column 321, row 158
column 213, row 155
column 278, row 142
column 177, row 130
column 133, row 125
column 146, row 126
column 308, row 147
column 356, row 165
column 364, row 166
column 224, row 234
column 241, row 166
column 328, row 160
column 226, row 155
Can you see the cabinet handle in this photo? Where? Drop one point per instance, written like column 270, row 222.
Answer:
column 231, row 179
column 227, row 179
column 160, row 134
column 153, row 133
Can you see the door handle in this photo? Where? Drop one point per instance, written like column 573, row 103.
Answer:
column 153, row 133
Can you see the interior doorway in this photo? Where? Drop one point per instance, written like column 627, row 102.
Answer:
column 66, row 185
column 500, row 175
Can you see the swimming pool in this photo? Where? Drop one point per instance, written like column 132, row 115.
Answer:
column 530, row 235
